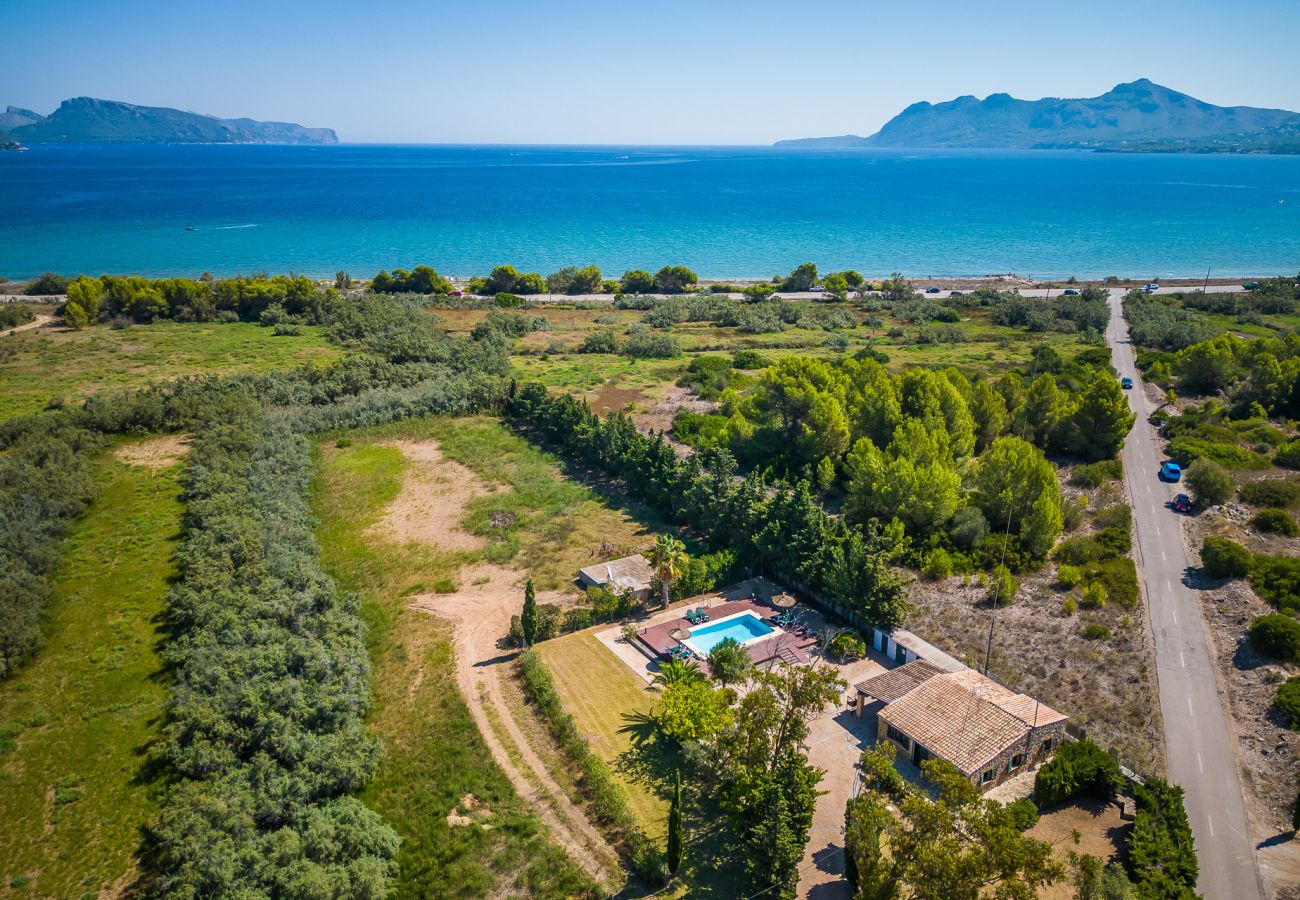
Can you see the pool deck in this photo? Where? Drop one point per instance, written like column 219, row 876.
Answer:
column 784, row 645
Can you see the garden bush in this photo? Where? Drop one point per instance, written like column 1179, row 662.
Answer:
column 847, row 646
column 750, row 359
column 1274, row 521
column 1024, row 814
column 1078, row 767
column 1161, row 855
column 1094, row 631
column 1276, row 635
column 1273, row 492
column 1068, row 576
column 651, row 346
column 1224, row 558
column 602, row 340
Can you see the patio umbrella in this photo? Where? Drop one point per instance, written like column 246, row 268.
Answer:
column 679, row 634
column 784, row 601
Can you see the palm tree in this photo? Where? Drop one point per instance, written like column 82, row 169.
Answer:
column 674, row 671
column 666, row 557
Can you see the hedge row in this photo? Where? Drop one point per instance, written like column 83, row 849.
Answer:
column 265, row 732
column 45, row 485
column 608, row 798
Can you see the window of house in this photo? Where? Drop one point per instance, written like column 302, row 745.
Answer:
column 987, row 777
column 1016, row 762
column 898, row 737
column 1046, row 748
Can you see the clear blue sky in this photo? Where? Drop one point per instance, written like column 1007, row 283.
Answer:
column 674, row 71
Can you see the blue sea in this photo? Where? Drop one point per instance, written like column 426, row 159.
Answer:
column 724, row 211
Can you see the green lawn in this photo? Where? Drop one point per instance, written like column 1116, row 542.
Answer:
column 37, row 366
column 434, row 754
column 76, row 725
column 606, row 717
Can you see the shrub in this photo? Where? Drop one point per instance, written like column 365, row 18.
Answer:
column 1024, row 814
column 1287, row 702
column 1274, row 521
column 1069, row 606
column 750, row 359
column 938, row 564
column 1094, row 595
column 1068, row 576
column 1209, row 483
column 1189, row 450
column 1288, row 455
column 1273, row 492
column 1276, row 579
column 1081, row 549
column 652, row 346
column 1078, row 767
column 1092, row 475
column 1224, row 558
column 1276, row 635
column 1117, row 516
column 1002, row 587
column 848, row 646
column 47, row 285
column 1095, row 632
column 600, row 341
column 1118, row 576
column 968, row 527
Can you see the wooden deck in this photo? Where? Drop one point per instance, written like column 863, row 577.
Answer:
column 786, row 646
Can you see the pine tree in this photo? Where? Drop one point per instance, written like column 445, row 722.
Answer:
column 528, row 620
column 675, row 826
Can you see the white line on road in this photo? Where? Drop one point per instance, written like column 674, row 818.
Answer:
column 1200, row 765
column 1209, row 819
column 1162, row 556
column 1174, row 613
column 1189, row 708
column 1157, row 531
column 1169, row 585
column 1182, row 662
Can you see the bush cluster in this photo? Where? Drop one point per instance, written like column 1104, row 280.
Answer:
column 272, row 300
column 265, row 733
column 1078, row 767
column 1276, row 635
column 1274, row 492
column 45, row 485
column 1224, row 558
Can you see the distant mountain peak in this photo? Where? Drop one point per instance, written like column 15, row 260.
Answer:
column 91, row 120
column 1132, row 112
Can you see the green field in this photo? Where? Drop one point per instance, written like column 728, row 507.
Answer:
column 434, row 754
column 37, row 366
column 77, row 724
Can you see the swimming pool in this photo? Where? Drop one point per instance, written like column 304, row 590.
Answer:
column 741, row 628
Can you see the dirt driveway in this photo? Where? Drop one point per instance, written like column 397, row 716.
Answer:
column 436, row 491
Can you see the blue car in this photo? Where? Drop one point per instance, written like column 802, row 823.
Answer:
column 1171, row 471
column 1126, row 383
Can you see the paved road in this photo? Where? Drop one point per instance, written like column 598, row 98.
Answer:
column 1197, row 744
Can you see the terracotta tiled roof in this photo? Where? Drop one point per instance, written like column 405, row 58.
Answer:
column 889, row 686
column 965, row 718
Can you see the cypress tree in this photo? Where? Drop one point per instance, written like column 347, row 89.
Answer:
column 528, row 620
column 675, row 826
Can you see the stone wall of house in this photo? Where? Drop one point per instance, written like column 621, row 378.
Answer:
column 1035, row 757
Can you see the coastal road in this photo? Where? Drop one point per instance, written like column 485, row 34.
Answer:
column 1198, row 746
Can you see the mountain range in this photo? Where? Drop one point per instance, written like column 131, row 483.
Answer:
column 86, row 120
column 1138, row 115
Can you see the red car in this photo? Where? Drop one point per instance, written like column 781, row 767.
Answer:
column 1182, row 503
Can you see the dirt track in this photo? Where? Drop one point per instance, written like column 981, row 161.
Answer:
column 480, row 612
column 41, row 319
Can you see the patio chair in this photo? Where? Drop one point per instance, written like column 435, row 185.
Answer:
column 701, row 615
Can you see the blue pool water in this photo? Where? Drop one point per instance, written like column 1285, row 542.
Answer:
column 723, row 211
column 740, row 629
